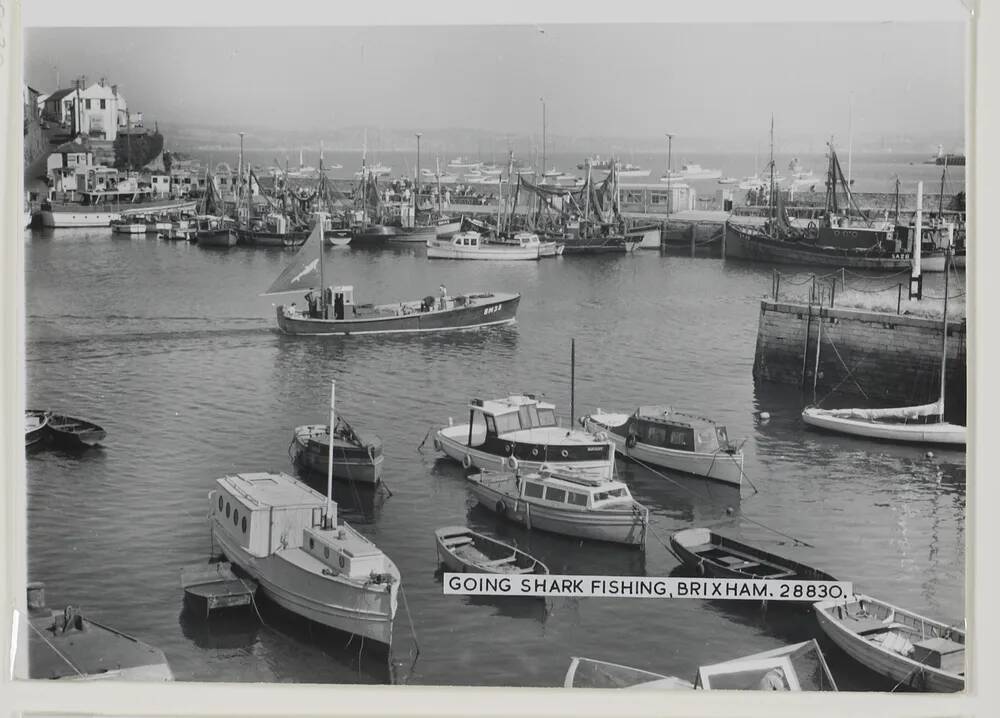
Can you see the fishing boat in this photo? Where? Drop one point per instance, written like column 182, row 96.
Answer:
column 70, row 432
column 36, row 428
column 287, row 537
column 799, row 667
column 128, row 226
column 336, row 313
column 661, row 436
column 923, row 424
column 715, row 556
column 461, row 549
column 471, row 245
column 909, row 649
column 214, row 231
column 155, row 225
column 356, row 456
column 67, row 645
column 521, row 432
column 564, row 501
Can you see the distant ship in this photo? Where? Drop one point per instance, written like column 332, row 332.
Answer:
column 946, row 158
column 692, row 171
column 624, row 170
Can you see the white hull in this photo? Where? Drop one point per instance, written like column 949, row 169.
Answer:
column 941, row 433
column 932, row 263
column 720, row 466
column 650, row 239
column 458, row 450
column 27, row 219
column 129, row 229
column 437, row 250
column 351, row 606
column 634, row 173
column 59, row 220
column 445, row 231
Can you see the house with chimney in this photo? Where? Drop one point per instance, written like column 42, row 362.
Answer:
column 97, row 110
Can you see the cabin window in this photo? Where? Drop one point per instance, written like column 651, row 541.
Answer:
column 243, row 525
column 312, row 543
column 546, row 417
column 575, row 498
column 682, row 438
column 227, row 509
column 236, row 516
column 656, row 435
column 554, row 494
column 533, row 490
column 524, row 414
column 609, row 494
column 507, row 423
column 491, row 425
column 326, row 552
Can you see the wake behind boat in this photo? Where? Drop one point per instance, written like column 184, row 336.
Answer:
column 333, row 311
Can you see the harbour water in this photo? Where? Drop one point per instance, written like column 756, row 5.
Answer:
column 170, row 348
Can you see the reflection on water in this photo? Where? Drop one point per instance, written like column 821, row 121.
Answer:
column 172, row 351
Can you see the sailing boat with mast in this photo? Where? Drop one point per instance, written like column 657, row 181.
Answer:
column 212, row 228
column 287, row 537
column 333, row 311
column 923, row 424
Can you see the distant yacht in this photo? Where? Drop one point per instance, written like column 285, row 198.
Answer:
column 692, row 171
column 463, row 163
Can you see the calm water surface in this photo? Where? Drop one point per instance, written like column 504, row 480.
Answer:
column 171, row 349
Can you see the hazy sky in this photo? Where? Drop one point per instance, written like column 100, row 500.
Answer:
column 622, row 80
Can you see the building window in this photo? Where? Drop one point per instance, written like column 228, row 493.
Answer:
column 87, row 104
column 104, row 104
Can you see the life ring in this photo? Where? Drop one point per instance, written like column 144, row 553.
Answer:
column 437, row 444
column 466, row 461
column 631, row 440
column 812, row 231
column 501, row 508
column 512, row 463
column 564, row 453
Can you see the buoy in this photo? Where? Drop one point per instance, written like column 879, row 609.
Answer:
column 929, row 454
column 764, row 416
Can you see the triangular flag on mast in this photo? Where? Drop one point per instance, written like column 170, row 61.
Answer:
column 304, row 271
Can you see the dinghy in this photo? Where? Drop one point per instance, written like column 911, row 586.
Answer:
column 70, row 432
column 36, row 428
column 913, row 651
column 716, row 556
column 461, row 549
column 799, row 667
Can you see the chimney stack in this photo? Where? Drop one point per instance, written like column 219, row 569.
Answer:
column 114, row 90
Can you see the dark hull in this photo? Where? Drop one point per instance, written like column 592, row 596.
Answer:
column 350, row 463
column 415, row 234
column 600, row 245
column 373, row 235
column 216, row 237
column 501, row 310
column 743, row 243
column 74, row 433
column 271, row 239
column 707, row 561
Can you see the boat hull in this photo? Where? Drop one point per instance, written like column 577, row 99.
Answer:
column 414, row 234
column 348, row 465
column 940, row 433
column 932, row 263
column 719, row 466
column 501, row 309
column 271, row 239
column 353, row 607
column 58, row 219
column 373, row 235
column 446, row 230
column 216, row 238
column 743, row 244
column 600, row 245
column 496, row 252
column 896, row 667
column 449, row 557
column 37, row 428
column 69, row 432
column 622, row 527
column 649, row 237
column 689, row 545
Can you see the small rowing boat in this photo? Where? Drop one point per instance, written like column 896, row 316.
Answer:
column 716, row 556
column 462, row 549
column 71, row 432
column 911, row 650
column 36, row 428
column 356, row 456
column 799, row 667
column 214, row 586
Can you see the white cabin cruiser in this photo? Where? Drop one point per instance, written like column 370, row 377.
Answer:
column 521, row 433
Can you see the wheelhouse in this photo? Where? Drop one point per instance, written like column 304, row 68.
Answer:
column 664, row 428
column 467, row 240
column 567, row 488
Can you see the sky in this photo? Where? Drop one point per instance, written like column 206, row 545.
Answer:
column 641, row 81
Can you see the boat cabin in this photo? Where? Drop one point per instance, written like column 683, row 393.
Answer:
column 573, row 489
column 663, row 427
column 344, row 552
column 466, row 240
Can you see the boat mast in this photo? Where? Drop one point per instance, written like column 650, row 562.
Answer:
column 364, row 180
column 944, row 332
column 542, row 176
column 944, row 170
column 850, row 138
column 437, row 171
column 327, row 523
column 897, row 199
column 586, row 200
column 239, row 196
column 770, row 199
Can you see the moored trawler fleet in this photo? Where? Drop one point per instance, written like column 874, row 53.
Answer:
column 523, row 464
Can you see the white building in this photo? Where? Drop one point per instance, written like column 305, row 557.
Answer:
column 70, row 155
column 94, row 111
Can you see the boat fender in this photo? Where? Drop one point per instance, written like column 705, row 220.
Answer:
column 512, row 463
column 437, row 444
column 501, row 508
column 601, row 436
column 466, row 461
column 631, row 440
column 701, row 567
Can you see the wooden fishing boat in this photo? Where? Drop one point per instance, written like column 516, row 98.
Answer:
column 67, row 645
column 462, row 549
column 471, row 245
column 36, row 428
column 911, row 650
column 715, row 556
column 356, row 456
column 565, row 502
column 519, row 432
column 660, row 436
column 214, row 231
column 214, row 586
column 799, row 667
column 336, row 313
column 70, row 432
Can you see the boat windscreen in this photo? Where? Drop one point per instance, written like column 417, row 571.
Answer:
column 811, row 669
column 597, row 674
column 546, row 417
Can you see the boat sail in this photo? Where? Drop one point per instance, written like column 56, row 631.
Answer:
column 923, row 424
column 332, row 310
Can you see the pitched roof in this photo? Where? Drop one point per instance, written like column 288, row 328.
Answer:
column 72, row 146
column 59, row 94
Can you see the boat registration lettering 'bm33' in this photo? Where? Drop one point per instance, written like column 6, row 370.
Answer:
column 492, row 309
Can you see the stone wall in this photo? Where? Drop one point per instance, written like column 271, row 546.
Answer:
column 880, row 359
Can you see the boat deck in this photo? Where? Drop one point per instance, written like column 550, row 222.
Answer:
column 465, row 548
column 737, row 561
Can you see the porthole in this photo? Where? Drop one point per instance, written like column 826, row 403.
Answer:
column 243, row 525
column 312, row 543
column 326, row 552
column 220, row 503
column 342, row 562
column 565, row 453
column 236, row 516
column 227, row 509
